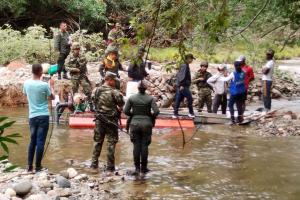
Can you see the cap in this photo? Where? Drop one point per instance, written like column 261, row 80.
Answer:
column 141, row 50
column 222, row 67
column 75, row 45
column 270, row 52
column 241, row 58
column 204, row 63
column 237, row 63
column 189, row 56
column 111, row 75
column 111, row 49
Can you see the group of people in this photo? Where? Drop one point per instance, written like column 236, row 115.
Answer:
column 236, row 82
column 107, row 102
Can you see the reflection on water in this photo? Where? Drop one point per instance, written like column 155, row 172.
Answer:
column 221, row 162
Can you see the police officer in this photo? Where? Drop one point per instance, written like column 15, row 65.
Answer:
column 76, row 65
column 136, row 70
column 108, row 103
column 111, row 63
column 204, row 89
column 139, row 107
column 62, row 43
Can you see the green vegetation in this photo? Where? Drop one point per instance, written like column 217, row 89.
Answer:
column 5, row 139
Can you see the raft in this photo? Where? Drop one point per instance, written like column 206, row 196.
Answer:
column 164, row 120
column 86, row 121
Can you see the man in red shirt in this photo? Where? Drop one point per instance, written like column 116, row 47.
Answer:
column 249, row 74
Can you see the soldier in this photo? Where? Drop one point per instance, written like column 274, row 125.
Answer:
column 111, row 63
column 76, row 65
column 115, row 34
column 108, row 103
column 139, row 107
column 136, row 70
column 62, row 43
column 204, row 89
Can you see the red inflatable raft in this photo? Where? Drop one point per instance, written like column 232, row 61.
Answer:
column 86, row 121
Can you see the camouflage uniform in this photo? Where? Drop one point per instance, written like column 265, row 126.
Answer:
column 79, row 78
column 204, row 91
column 106, row 100
column 115, row 34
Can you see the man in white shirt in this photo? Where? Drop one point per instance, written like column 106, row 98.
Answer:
column 267, row 78
column 220, row 88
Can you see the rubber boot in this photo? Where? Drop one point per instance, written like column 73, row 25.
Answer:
column 59, row 76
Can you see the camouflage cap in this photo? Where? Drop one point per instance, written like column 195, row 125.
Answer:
column 111, row 49
column 204, row 64
column 75, row 46
column 111, row 75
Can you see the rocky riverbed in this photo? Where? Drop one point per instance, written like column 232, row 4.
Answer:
column 68, row 184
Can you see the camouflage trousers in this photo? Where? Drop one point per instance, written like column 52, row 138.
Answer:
column 101, row 130
column 85, row 84
column 204, row 97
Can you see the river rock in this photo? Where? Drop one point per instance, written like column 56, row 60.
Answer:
column 22, row 188
column 63, row 182
column 38, row 197
column 81, row 177
column 4, row 197
column 45, row 184
column 63, row 192
column 16, row 198
column 72, row 172
column 10, row 192
column 64, row 173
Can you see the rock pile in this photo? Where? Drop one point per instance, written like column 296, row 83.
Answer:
column 19, row 185
column 279, row 124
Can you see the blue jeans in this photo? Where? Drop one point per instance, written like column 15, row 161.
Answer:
column 267, row 85
column 180, row 95
column 38, row 129
column 239, row 100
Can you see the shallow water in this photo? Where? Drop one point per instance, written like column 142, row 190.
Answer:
column 220, row 162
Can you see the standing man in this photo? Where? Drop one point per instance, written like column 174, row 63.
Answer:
column 138, row 107
column 115, row 34
column 183, row 83
column 38, row 93
column 76, row 65
column 267, row 78
column 111, row 64
column 62, row 43
column 220, row 88
column 136, row 70
column 249, row 75
column 108, row 104
column 204, row 89
column 237, row 92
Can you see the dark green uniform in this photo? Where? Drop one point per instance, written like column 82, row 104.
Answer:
column 138, row 107
column 62, row 45
column 204, row 91
column 106, row 101
column 79, row 78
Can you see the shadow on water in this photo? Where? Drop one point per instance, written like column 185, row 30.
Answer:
column 221, row 162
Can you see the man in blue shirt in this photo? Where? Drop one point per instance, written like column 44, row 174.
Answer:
column 183, row 83
column 38, row 93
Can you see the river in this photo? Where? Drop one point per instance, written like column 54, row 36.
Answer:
column 220, row 162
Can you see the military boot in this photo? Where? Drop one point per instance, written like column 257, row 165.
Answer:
column 240, row 119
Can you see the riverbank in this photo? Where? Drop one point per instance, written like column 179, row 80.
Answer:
column 67, row 184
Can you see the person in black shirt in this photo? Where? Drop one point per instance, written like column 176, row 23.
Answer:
column 136, row 70
column 183, row 83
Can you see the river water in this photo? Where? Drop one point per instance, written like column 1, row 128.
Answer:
column 221, row 162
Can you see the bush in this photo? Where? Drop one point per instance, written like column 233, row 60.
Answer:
column 4, row 140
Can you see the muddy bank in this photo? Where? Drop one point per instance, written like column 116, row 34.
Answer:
column 161, row 84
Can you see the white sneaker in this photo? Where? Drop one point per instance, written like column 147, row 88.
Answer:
column 174, row 116
column 191, row 116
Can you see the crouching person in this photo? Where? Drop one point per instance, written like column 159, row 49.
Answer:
column 142, row 120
